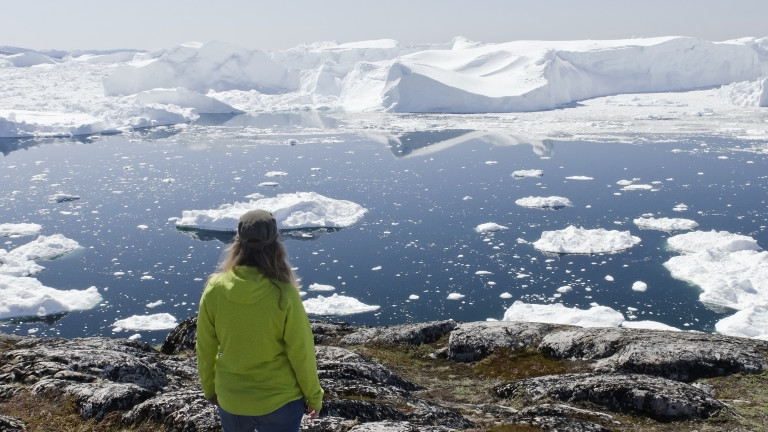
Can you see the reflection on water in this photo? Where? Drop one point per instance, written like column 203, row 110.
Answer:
column 423, row 143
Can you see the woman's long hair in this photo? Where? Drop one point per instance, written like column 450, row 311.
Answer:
column 272, row 260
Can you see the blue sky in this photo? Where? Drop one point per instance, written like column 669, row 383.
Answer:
column 274, row 25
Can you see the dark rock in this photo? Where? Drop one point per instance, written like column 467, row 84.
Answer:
column 359, row 410
column 336, row 365
column 326, row 330
column 397, row 426
column 184, row 410
column 94, row 399
column 182, row 338
column 557, row 417
column 681, row 356
column 414, row 334
column 327, row 424
column 8, row 391
column 11, row 424
column 117, row 360
column 476, row 340
column 657, row 398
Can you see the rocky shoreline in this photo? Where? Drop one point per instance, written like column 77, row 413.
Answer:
column 433, row 377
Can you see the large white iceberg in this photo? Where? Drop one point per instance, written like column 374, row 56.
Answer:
column 292, row 211
column 557, row 313
column 729, row 268
column 585, row 241
column 88, row 94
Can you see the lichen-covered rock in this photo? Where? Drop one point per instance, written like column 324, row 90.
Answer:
column 336, row 365
column 94, row 400
column 476, row 340
column 680, row 356
column 657, row 398
column 117, row 360
column 181, row 338
column 11, row 424
column 398, row 426
column 558, row 417
column 414, row 334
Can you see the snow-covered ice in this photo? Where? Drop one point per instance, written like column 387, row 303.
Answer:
column 489, row 227
column 114, row 92
column 666, row 224
column 292, row 211
column 24, row 296
column 337, row 305
column 160, row 321
column 550, row 202
column 557, row 313
column 576, row 240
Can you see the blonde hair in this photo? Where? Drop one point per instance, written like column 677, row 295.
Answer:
column 272, row 260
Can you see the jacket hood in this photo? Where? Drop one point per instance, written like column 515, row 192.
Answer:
column 246, row 285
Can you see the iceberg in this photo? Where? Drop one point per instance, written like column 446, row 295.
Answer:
column 292, row 211
column 585, row 241
column 84, row 94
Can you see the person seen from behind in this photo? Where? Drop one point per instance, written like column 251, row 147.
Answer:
column 255, row 348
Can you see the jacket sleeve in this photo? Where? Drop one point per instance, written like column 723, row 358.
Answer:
column 207, row 347
column 300, row 347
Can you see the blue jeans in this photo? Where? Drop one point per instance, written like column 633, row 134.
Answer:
column 284, row 419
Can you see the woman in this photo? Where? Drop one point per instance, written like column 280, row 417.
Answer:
column 255, row 349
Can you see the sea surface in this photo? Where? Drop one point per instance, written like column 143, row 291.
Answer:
column 425, row 190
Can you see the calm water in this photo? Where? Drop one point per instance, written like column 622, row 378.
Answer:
column 424, row 201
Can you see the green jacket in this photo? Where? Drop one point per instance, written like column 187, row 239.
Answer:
column 255, row 349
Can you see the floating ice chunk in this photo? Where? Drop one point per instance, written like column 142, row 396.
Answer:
column 564, row 289
column 639, row 286
column 609, row 278
column 665, row 224
column 489, row 227
column 557, row 313
column 413, row 297
column 505, row 295
column 585, row 241
column 377, row 268
column 28, row 297
column 652, row 325
column 269, row 184
column 751, row 322
column 680, row 208
column 483, row 272
column 46, row 248
column 527, row 173
column 276, row 174
column 455, row 296
column 155, row 304
column 633, row 187
column 577, row 177
column 161, row 321
column 294, row 210
column 551, row 202
column 711, row 240
column 320, row 287
column 19, row 229
column 336, row 305
column 728, row 268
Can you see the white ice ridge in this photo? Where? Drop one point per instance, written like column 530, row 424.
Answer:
column 666, row 224
column 128, row 90
column 337, row 305
column 291, row 210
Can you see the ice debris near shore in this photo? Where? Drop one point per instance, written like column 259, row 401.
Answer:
column 21, row 295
